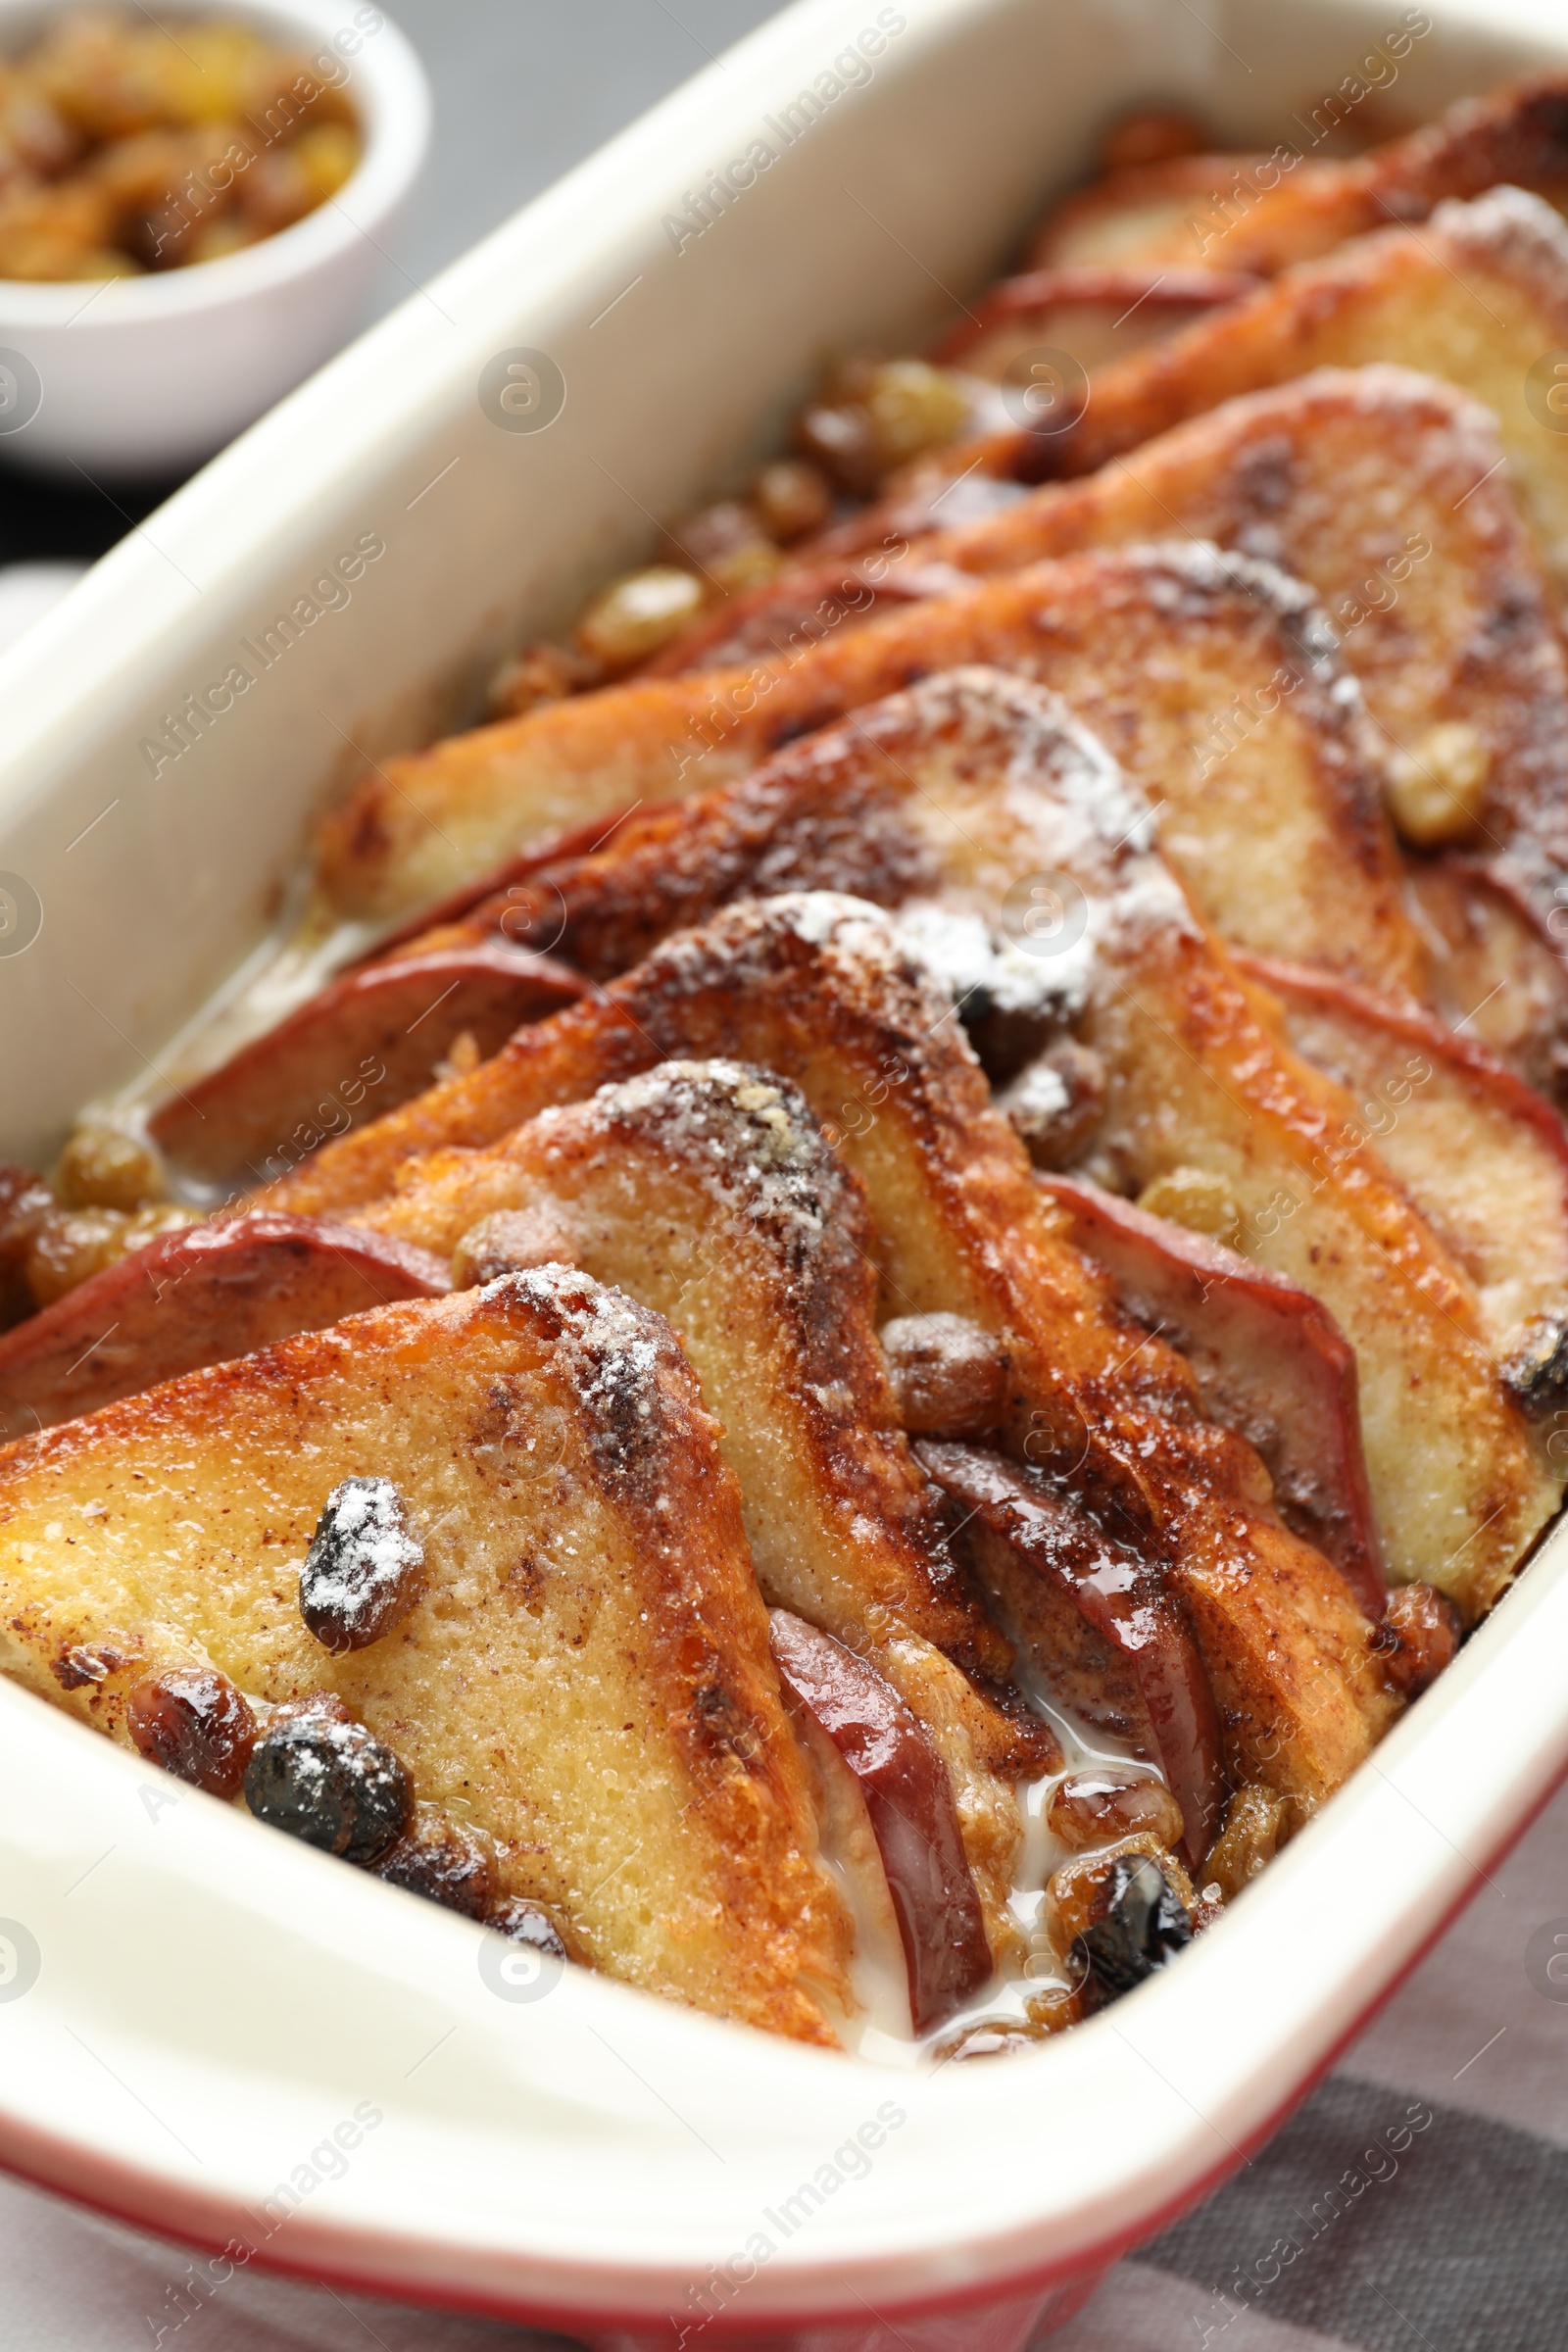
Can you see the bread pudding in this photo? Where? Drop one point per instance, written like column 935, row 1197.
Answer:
column 943, row 1284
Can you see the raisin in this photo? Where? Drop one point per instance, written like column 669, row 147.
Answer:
column 192, row 1722
column 1420, row 1635
column 526, row 1924
column 1143, row 1926
column 331, row 1784
column 361, row 1573
column 1103, row 1801
column 445, row 1863
column 1256, row 1822
column 949, row 1376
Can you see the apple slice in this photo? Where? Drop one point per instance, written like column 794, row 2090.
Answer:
column 1035, row 1548
column 1498, row 929
column 363, row 1044
column 1482, row 1155
column 1090, row 315
column 909, row 1798
column 202, row 1297
column 1271, row 1363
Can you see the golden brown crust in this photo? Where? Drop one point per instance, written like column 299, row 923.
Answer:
column 705, row 1191
column 1266, row 213
column 1213, row 680
column 1384, row 492
column 1232, row 213
column 793, row 825
column 1476, row 297
column 1483, row 1157
column 587, row 1673
column 1195, row 1079
column 1096, row 314
column 816, row 989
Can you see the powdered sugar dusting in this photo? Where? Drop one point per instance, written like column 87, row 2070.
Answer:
column 985, row 972
column 359, row 1574
column 611, row 1351
column 750, row 1136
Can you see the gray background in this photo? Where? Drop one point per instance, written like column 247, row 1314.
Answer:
column 525, row 88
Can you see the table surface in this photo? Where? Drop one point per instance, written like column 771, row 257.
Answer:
column 1458, row 2243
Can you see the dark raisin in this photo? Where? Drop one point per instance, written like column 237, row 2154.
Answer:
column 1420, row 1635
column 445, row 1863
column 192, row 1722
column 526, row 1924
column 331, row 1784
column 1537, row 1371
column 1143, row 1926
column 361, row 1572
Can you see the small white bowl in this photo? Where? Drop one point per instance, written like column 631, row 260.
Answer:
column 148, row 375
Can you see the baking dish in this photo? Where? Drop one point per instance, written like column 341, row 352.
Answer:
column 208, row 2030
column 193, row 356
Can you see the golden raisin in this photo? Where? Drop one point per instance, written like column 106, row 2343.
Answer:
column 1437, row 790
column 1255, row 1824
column 105, row 1167
column 124, row 146
column 792, row 497
column 74, row 1245
column 638, row 614
column 914, row 406
column 1105, row 1801
column 1192, row 1197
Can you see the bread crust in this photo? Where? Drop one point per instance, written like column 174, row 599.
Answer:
column 1195, row 1077
column 587, row 1675
column 1385, row 491
column 1264, row 213
column 1214, row 681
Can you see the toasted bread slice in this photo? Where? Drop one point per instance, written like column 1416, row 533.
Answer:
column 1263, row 213
column 1198, row 211
column 668, row 868
column 1479, row 297
column 704, row 1190
column 1214, row 680
column 1384, row 492
column 1003, row 792
column 196, row 1297
column 1483, row 1157
column 587, row 1673
column 815, row 988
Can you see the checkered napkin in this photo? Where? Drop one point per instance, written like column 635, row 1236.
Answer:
column 1419, row 2199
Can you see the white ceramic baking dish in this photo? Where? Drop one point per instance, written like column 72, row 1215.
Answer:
column 196, row 2016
